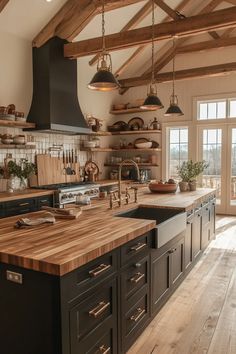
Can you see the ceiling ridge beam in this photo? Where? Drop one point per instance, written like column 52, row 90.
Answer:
column 187, row 27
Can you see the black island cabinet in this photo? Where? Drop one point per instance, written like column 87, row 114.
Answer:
column 103, row 306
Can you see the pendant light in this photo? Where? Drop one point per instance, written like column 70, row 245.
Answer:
column 174, row 109
column 152, row 102
column 104, row 80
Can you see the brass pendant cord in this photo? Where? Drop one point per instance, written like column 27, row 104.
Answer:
column 153, row 21
column 174, row 48
column 103, row 28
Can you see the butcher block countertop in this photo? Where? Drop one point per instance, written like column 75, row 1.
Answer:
column 26, row 193
column 60, row 248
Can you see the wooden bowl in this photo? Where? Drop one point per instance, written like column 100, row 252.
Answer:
column 162, row 188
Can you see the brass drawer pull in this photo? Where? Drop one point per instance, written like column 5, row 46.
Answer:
column 140, row 313
column 172, row 250
column 44, row 201
column 104, row 350
column 137, row 277
column 138, row 247
column 99, row 309
column 23, row 204
column 100, row 269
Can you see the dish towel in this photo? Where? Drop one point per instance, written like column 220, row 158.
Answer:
column 48, row 218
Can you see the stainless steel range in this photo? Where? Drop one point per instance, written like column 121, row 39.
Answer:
column 65, row 193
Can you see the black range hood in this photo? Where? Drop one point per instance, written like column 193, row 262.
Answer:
column 55, row 107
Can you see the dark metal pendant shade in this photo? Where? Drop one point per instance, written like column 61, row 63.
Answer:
column 174, row 109
column 152, row 102
column 103, row 80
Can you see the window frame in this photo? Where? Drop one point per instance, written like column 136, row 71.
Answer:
column 228, row 97
column 168, row 129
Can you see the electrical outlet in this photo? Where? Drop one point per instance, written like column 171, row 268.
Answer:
column 14, row 277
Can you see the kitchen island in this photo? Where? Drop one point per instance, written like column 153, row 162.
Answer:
column 93, row 284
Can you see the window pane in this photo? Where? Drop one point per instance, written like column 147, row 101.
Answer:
column 178, row 149
column 203, row 111
column 174, row 136
column 232, row 109
column 221, row 110
column 183, row 135
column 212, row 144
column 211, row 110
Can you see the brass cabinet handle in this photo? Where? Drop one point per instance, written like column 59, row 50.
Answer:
column 23, row 204
column 138, row 315
column 138, row 247
column 137, row 277
column 104, row 350
column 100, row 269
column 44, row 201
column 172, row 250
column 99, row 309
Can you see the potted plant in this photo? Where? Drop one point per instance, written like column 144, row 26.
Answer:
column 22, row 171
column 183, row 173
column 188, row 172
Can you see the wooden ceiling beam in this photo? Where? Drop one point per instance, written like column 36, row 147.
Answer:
column 208, row 71
column 3, row 3
column 206, row 45
column 169, row 54
column 187, row 27
column 73, row 16
column 233, row 2
column 175, row 15
column 135, row 20
column 140, row 49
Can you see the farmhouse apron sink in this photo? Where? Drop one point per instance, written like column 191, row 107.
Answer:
column 169, row 222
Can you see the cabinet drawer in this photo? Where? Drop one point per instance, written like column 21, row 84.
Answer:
column 21, row 206
column 134, row 277
column 135, row 318
column 139, row 246
column 101, row 341
column 46, row 200
column 82, row 280
column 97, row 310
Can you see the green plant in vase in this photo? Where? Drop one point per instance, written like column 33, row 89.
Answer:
column 188, row 171
column 22, row 171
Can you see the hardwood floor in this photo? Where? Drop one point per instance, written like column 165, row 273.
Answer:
column 200, row 317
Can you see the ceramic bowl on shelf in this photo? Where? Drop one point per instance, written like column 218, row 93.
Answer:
column 145, row 145
column 157, row 187
column 19, row 139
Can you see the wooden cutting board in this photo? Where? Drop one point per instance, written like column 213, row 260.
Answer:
column 50, row 170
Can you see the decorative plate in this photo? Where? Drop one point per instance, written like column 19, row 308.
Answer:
column 135, row 123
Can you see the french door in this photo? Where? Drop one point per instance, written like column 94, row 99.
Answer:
column 217, row 145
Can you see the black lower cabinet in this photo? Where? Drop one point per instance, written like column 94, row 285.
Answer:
column 23, row 206
column 167, row 269
column 103, row 306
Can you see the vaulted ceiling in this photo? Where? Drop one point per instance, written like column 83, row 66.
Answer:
column 203, row 26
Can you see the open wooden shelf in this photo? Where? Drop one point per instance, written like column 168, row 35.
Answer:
column 120, row 150
column 18, row 146
column 130, row 110
column 144, row 164
column 126, row 132
column 15, row 124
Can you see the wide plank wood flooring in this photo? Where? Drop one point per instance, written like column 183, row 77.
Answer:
column 200, row 317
